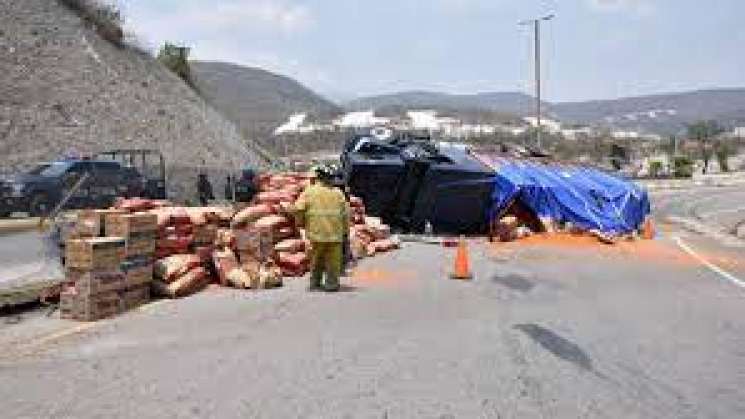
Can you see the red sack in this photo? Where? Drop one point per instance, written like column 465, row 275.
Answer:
column 135, row 204
column 356, row 202
column 293, row 264
column 193, row 281
column 174, row 242
column 273, row 222
column 204, row 253
column 225, row 261
column 172, row 267
column 251, row 214
column 290, row 246
column 274, row 197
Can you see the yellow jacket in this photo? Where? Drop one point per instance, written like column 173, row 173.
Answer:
column 324, row 212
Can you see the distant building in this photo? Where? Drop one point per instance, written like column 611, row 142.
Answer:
column 363, row 119
column 292, row 125
column 554, row 127
column 577, row 133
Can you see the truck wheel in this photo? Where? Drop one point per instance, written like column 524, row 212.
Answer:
column 4, row 214
column 39, row 206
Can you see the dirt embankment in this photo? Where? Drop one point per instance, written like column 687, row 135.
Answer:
column 64, row 88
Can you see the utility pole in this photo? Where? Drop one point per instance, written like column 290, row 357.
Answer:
column 536, row 23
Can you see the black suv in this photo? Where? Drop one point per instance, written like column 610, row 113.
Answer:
column 38, row 191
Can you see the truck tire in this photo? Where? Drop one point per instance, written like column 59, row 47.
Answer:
column 39, row 206
column 4, row 214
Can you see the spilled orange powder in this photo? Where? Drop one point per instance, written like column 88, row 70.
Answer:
column 381, row 276
column 644, row 250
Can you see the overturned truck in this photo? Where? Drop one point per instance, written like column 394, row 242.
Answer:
column 415, row 184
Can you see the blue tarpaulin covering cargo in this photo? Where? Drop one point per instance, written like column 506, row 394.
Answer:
column 585, row 197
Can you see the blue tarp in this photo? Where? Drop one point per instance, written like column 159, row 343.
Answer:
column 586, row 197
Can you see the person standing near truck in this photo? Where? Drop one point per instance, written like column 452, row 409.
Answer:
column 204, row 189
column 323, row 210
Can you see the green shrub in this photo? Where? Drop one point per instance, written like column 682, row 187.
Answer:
column 106, row 19
column 683, row 167
column 176, row 59
column 655, row 168
column 723, row 152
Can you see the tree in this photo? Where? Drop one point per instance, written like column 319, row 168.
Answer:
column 176, row 59
column 655, row 168
column 703, row 132
column 723, row 152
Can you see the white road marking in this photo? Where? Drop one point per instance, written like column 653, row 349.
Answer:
column 728, row 276
column 722, row 211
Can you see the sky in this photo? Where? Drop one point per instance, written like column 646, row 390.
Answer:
column 592, row 49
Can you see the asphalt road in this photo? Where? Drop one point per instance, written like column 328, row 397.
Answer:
column 548, row 328
column 27, row 256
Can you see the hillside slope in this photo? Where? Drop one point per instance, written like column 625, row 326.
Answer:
column 64, row 88
column 513, row 103
column 257, row 100
column 664, row 113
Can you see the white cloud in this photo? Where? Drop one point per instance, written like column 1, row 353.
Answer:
column 636, row 7
column 193, row 16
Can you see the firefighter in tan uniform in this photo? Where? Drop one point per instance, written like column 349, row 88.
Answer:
column 323, row 210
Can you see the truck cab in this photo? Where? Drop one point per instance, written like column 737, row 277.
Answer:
column 40, row 189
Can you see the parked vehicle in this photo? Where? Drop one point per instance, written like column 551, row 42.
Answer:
column 144, row 169
column 39, row 190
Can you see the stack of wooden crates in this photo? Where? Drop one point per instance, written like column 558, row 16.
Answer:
column 112, row 272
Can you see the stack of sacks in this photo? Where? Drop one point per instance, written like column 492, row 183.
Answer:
column 245, row 256
column 290, row 252
column 207, row 221
column 139, row 204
column 179, row 275
column 371, row 237
column 175, row 231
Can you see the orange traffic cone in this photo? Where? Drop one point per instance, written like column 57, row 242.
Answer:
column 649, row 230
column 462, row 268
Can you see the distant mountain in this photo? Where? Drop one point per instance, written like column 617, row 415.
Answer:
column 515, row 103
column 257, row 100
column 663, row 113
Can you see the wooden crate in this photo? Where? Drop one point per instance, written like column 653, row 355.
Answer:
column 90, row 223
column 136, row 296
column 75, row 306
column 95, row 282
column 137, row 272
column 141, row 244
column 125, row 225
column 100, row 253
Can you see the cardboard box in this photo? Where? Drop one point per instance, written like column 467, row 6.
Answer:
column 125, row 225
column 95, row 282
column 89, row 307
column 100, row 253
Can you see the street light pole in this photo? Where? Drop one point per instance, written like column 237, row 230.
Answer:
column 537, row 40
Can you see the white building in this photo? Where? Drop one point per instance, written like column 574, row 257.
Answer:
column 362, row 119
column 554, row 127
column 292, row 125
column 738, row 132
column 575, row 134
